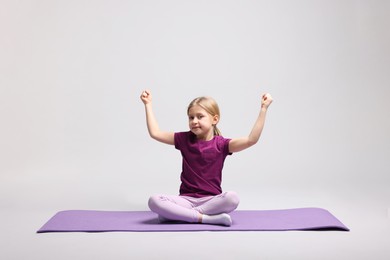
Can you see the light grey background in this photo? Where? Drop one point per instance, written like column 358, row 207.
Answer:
column 73, row 132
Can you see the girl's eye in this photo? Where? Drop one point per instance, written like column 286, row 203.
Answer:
column 200, row 117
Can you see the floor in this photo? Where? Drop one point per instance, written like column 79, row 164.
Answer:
column 368, row 239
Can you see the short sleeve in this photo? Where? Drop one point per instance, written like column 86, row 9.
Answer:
column 179, row 139
column 223, row 144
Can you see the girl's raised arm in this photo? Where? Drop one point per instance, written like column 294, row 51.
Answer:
column 151, row 122
column 239, row 144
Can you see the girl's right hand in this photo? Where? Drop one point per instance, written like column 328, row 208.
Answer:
column 266, row 100
column 146, row 97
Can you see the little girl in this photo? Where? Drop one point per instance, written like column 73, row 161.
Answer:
column 204, row 150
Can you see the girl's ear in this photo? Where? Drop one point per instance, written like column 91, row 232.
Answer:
column 215, row 119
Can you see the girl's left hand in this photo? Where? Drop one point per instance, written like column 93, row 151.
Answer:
column 146, row 97
column 266, row 100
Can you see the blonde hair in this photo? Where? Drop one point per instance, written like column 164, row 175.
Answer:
column 210, row 106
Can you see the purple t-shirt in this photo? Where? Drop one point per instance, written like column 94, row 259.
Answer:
column 202, row 164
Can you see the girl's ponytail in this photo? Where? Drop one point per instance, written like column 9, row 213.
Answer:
column 216, row 130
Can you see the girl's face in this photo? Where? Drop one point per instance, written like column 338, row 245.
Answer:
column 201, row 123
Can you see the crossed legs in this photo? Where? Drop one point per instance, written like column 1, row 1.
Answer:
column 209, row 210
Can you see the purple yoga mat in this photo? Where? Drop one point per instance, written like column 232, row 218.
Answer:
column 146, row 221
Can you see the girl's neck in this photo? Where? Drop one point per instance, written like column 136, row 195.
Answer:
column 209, row 136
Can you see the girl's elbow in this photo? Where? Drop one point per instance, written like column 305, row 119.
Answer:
column 252, row 142
column 154, row 135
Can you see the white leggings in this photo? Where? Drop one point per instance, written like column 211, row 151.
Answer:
column 188, row 209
